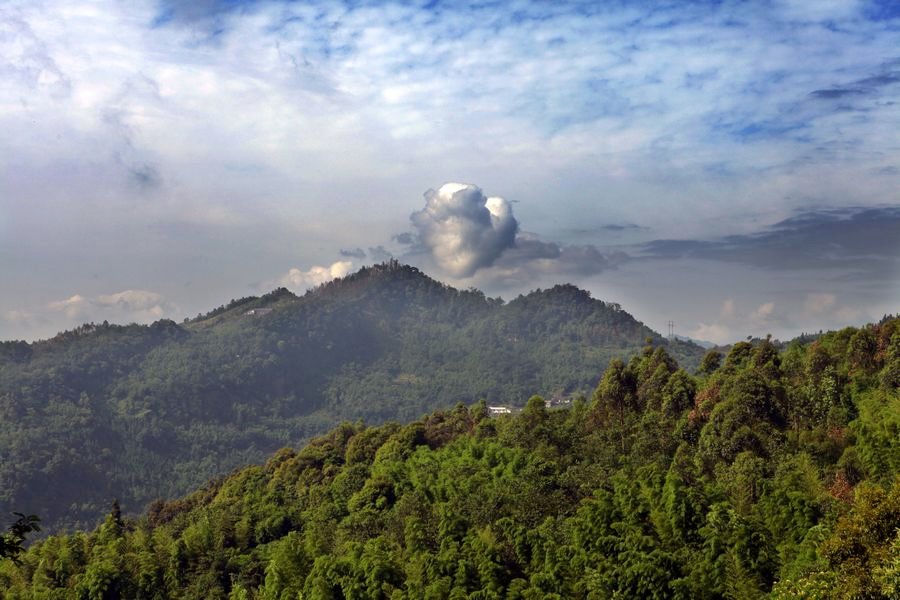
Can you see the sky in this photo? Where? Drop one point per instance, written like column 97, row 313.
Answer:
column 733, row 167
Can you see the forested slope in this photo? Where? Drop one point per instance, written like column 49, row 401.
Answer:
column 768, row 474
column 142, row 412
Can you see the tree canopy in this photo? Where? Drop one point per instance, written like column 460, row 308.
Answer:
column 772, row 474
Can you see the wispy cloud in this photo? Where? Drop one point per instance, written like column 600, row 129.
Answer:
column 648, row 91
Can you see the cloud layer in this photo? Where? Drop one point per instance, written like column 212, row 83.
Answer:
column 850, row 242
column 198, row 148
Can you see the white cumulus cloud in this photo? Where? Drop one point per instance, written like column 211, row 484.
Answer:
column 297, row 279
column 133, row 300
column 73, row 306
column 464, row 230
column 125, row 306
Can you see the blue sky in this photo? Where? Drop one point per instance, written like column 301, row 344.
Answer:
column 720, row 164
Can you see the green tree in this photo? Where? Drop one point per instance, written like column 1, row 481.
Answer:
column 11, row 541
column 710, row 363
column 615, row 397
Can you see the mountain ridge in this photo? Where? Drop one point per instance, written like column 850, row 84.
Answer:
column 145, row 411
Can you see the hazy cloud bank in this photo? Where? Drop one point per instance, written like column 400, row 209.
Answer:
column 853, row 240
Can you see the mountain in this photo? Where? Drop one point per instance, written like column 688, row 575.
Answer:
column 144, row 412
column 770, row 474
column 702, row 343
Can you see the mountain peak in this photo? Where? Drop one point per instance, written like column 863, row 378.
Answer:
column 567, row 292
column 394, row 270
column 391, row 273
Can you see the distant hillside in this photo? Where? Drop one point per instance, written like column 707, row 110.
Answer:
column 702, row 343
column 142, row 412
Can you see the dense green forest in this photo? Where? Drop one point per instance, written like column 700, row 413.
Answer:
column 146, row 412
column 768, row 473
